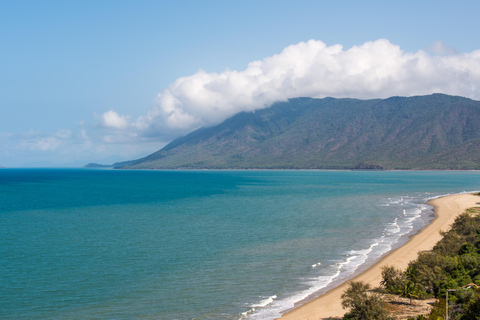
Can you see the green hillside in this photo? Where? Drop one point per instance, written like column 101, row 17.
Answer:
column 423, row 132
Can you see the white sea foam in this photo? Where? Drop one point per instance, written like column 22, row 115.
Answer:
column 409, row 212
column 339, row 270
column 264, row 302
column 393, row 227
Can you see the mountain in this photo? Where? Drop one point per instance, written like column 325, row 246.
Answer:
column 423, row 132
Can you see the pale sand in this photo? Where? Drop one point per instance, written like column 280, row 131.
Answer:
column 447, row 209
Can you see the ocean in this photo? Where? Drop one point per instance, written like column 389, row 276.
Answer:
column 108, row 244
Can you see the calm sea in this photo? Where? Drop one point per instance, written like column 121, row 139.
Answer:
column 106, row 244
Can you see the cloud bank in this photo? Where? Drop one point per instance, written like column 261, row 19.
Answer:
column 376, row 69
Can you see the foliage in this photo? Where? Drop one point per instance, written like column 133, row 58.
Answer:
column 419, row 317
column 472, row 311
column 410, row 290
column 363, row 305
column 438, row 311
column 393, row 280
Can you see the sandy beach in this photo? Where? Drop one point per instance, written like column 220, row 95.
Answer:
column 328, row 305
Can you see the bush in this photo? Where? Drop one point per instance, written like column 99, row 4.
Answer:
column 438, row 311
column 393, row 280
column 431, row 273
column 472, row 311
column 467, row 248
column 363, row 305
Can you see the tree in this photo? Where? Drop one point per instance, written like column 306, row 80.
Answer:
column 362, row 304
column 438, row 310
column 410, row 290
column 473, row 310
column 411, row 273
column 393, row 280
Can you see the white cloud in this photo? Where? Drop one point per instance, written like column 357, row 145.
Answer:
column 82, row 134
column 34, row 140
column 89, row 144
column 111, row 119
column 63, row 134
column 440, row 48
column 40, row 143
column 376, row 69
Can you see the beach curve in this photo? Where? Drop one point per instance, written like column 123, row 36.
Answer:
column 328, row 305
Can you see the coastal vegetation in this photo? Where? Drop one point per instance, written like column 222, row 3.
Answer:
column 424, row 132
column 452, row 267
column 362, row 304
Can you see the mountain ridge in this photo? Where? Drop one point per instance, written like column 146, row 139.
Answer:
column 437, row 131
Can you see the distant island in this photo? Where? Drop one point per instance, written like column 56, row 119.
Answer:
column 105, row 166
column 433, row 132
column 98, row 165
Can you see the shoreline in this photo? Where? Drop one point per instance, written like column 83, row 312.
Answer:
column 328, row 305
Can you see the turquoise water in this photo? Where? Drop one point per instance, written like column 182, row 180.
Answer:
column 105, row 244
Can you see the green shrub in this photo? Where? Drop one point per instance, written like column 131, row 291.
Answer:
column 362, row 304
column 393, row 280
column 472, row 311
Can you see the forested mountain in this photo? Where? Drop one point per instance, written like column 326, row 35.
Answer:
column 422, row 132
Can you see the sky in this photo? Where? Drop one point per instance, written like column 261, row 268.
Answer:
column 104, row 81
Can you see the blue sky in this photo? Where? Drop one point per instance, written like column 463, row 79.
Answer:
column 105, row 80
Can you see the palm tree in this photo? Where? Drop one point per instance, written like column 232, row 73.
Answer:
column 409, row 290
